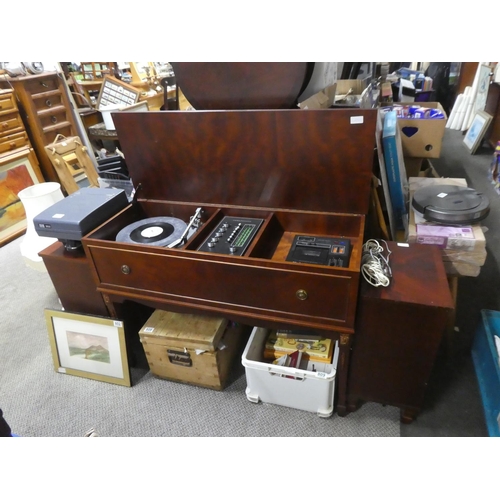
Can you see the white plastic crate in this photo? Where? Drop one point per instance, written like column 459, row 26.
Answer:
column 269, row 383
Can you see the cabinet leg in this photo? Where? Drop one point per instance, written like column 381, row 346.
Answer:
column 353, row 406
column 342, row 368
column 341, row 411
column 110, row 306
column 407, row 416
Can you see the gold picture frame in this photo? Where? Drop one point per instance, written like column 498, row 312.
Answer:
column 18, row 171
column 88, row 346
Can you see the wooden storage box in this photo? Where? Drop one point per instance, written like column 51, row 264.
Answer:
column 190, row 348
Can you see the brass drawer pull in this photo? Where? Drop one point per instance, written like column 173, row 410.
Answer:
column 43, row 84
column 126, row 269
column 48, row 102
column 301, row 294
column 53, row 119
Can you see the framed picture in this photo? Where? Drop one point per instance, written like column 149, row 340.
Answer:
column 483, row 85
column 18, row 170
column 88, row 346
column 475, row 134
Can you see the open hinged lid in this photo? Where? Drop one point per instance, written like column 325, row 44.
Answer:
column 190, row 331
column 307, row 160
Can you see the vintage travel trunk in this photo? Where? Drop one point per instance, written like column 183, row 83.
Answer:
column 190, row 348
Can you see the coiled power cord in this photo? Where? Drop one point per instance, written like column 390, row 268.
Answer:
column 375, row 266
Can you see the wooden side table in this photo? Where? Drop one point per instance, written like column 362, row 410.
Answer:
column 399, row 330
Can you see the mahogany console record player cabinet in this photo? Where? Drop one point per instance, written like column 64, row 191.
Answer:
column 298, row 172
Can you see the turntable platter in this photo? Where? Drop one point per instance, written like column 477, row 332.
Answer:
column 156, row 231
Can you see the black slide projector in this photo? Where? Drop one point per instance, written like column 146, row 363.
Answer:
column 73, row 217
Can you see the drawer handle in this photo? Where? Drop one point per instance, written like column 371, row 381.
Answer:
column 43, row 84
column 53, row 119
column 12, row 145
column 126, row 270
column 48, row 102
column 5, row 125
column 301, row 294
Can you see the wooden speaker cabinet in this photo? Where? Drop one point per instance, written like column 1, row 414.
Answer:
column 300, row 172
column 399, row 330
column 72, row 278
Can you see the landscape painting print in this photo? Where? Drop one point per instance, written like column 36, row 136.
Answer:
column 17, row 172
column 12, row 214
column 86, row 346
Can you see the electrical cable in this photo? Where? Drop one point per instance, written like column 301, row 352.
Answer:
column 375, row 266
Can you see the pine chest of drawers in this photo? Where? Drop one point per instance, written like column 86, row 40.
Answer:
column 46, row 110
column 12, row 133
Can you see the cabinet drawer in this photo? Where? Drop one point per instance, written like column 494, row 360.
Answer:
column 14, row 141
column 47, row 100
column 41, row 84
column 54, row 116
column 51, row 132
column 291, row 296
column 7, row 102
column 9, row 123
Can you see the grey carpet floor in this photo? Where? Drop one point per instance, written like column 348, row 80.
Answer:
column 38, row 402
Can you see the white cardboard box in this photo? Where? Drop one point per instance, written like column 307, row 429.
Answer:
column 293, row 387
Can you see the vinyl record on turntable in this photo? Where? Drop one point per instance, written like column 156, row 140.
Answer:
column 156, row 231
column 447, row 204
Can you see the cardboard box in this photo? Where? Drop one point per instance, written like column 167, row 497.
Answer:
column 422, row 138
column 342, row 92
column 349, row 91
column 321, row 100
column 419, row 167
column 190, row 348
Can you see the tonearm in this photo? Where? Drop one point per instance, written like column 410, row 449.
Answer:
column 194, row 222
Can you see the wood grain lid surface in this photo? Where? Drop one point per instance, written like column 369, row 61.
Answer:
column 185, row 330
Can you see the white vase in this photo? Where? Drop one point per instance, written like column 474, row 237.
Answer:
column 36, row 199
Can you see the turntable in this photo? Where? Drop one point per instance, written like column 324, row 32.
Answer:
column 160, row 231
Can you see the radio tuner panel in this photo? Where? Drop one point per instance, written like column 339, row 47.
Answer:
column 232, row 236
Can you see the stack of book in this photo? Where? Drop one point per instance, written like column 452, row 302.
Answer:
column 309, row 347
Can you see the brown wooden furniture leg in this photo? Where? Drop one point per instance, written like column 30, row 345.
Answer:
column 110, row 306
column 408, row 416
column 453, row 283
column 342, row 369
